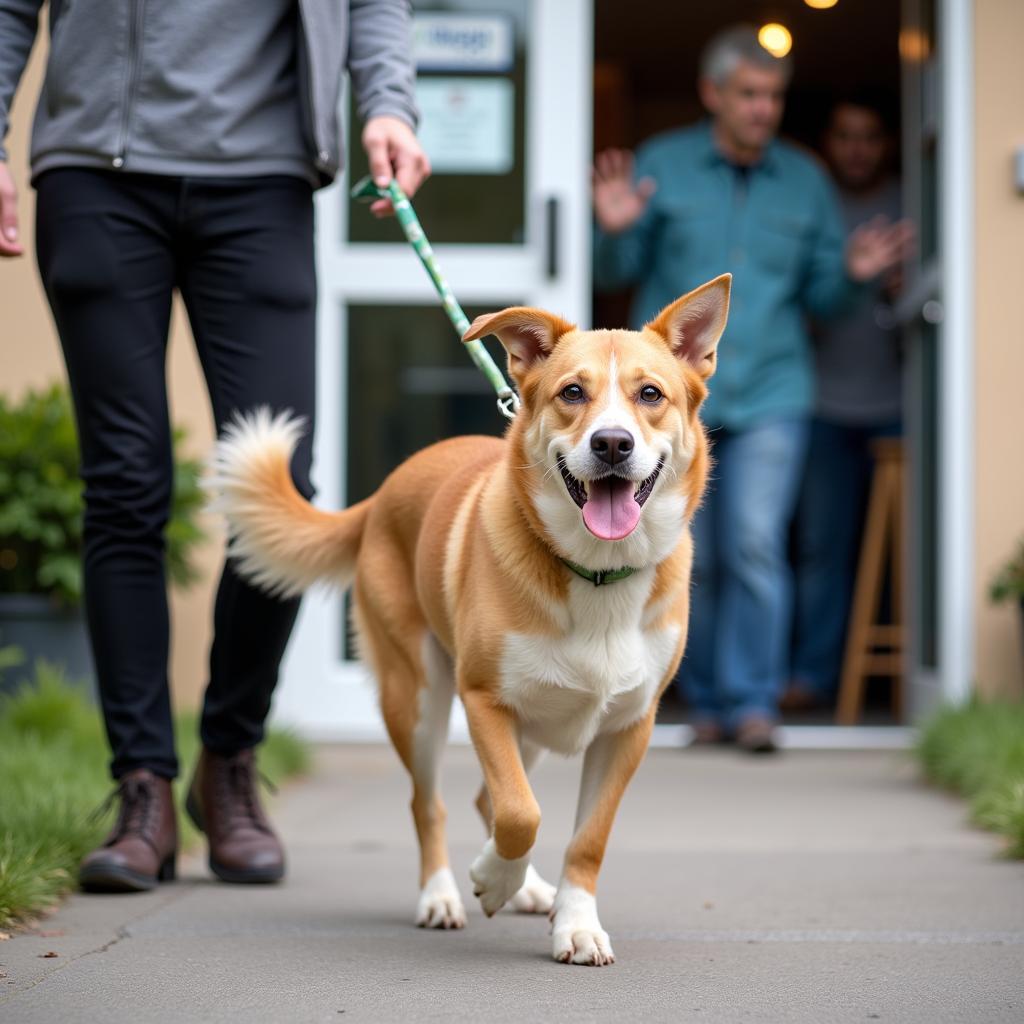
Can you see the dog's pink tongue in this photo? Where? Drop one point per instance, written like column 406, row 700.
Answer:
column 611, row 512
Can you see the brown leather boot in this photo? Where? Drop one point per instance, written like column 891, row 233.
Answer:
column 140, row 850
column 224, row 804
column 757, row 735
column 707, row 733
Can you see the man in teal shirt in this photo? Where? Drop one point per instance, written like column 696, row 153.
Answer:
column 726, row 195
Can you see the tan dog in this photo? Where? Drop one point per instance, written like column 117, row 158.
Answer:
column 474, row 569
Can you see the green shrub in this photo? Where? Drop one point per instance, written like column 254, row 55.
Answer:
column 1008, row 585
column 41, row 501
column 978, row 751
column 1001, row 809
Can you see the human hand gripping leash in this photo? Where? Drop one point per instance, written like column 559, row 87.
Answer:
column 367, row 190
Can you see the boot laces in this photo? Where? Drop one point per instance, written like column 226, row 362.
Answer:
column 136, row 811
column 238, row 789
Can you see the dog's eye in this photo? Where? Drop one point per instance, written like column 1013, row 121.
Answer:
column 573, row 393
column 650, row 394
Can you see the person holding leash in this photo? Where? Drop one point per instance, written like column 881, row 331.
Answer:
column 177, row 146
column 726, row 195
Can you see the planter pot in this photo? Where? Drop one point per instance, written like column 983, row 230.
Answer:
column 57, row 635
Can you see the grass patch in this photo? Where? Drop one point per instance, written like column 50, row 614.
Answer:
column 53, row 763
column 978, row 751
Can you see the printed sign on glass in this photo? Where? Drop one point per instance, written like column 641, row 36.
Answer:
column 455, row 42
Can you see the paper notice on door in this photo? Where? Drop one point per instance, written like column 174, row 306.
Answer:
column 466, row 124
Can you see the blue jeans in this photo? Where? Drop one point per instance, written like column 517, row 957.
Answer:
column 826, row 542
column 740, row 609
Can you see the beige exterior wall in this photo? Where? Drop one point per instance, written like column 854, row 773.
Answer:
column 999, row 335
column 30, row 357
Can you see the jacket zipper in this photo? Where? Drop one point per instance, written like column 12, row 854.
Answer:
column 131, row 76
column 320, row 151
column 52, row 80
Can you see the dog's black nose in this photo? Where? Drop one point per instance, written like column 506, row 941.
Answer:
column 612, row 446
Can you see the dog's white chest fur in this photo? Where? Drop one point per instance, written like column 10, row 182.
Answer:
column 599, row 674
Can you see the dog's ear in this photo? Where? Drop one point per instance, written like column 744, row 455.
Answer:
column 693, row 324
column 527, row 334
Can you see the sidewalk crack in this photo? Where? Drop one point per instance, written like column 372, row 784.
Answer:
column 123, row 931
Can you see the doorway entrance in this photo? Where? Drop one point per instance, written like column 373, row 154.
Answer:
column 511, row 86
column 645, row 73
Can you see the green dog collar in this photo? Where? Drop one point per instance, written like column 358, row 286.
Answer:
column 602, row 576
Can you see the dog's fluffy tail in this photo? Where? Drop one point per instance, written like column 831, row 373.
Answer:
column 279, row 540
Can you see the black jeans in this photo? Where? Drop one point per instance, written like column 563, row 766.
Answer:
column 112, row 248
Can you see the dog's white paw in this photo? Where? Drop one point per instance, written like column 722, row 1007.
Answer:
column 495, row 879
column 576, row 932
column 536, row 896
column 440, row 905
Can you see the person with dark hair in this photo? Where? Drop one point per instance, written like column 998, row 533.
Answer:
column 726, row 195
column 177, row 146
column 858, row 385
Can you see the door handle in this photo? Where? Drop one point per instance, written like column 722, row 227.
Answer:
column 551, row 213
column 921, row 299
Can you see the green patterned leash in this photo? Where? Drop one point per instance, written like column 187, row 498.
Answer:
column 508, row 400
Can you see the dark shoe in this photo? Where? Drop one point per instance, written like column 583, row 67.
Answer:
column 756, row 735
column 224, row 804
column 707, row 733
column 798, row 698
column 141, row 848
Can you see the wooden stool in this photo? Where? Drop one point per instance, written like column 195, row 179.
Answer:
column 874, row 648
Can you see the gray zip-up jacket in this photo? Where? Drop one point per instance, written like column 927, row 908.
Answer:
column 100, row 50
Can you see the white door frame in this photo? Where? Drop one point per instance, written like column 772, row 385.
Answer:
column 956, row 388
column 951, row 680
column 321, row 695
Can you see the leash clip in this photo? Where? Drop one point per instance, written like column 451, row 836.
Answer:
column 508, row 403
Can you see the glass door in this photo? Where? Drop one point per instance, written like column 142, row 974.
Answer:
column 920, row 313
column 504, row 88
column 935, row 312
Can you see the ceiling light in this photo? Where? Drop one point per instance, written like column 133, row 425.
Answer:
column 775, row 38
column 915, row 45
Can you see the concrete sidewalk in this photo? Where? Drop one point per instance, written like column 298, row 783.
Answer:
column 812, row 887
